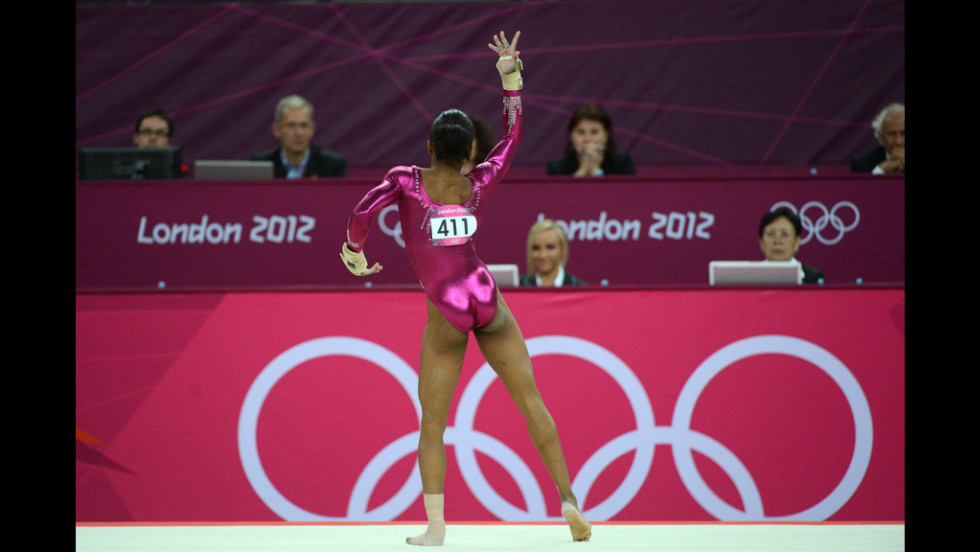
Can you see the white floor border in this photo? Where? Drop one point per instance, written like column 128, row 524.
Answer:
column 495, row 537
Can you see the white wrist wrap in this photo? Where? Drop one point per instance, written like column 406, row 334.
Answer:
column 513, row 81
column 355, row 262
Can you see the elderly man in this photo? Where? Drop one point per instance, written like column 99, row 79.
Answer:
column 889, row 156
column 296, row 156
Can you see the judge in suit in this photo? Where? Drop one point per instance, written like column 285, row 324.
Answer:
column 779, row 239
column 869, row 160
column 591, row 148
column 296, row 156
column 889, row 156
column 154, row 129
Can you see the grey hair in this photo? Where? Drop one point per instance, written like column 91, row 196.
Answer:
column 879, row 122
column 293, row 101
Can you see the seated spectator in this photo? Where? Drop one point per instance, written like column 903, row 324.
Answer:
column 889, row 156
column 779, row 239
column 154, row 129
column 483, row 142
column 547, row 253
column 296, row 156
column 591, row 148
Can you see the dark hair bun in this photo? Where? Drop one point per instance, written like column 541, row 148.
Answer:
column 452, row 136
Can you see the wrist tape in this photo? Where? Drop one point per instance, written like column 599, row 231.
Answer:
column 512, row 81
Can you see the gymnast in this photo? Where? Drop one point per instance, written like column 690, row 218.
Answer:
column 440, row 214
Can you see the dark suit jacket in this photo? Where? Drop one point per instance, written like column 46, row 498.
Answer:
column 811, row 275
column 323, row 162
column 613, row 162
column 867, row 161
column 528, row 280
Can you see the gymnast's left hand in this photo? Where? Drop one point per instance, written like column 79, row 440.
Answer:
column 356, row 263
column 508, row 62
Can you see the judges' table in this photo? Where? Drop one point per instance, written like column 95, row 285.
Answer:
column 200, row 235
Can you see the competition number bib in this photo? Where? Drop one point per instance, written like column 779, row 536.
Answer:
column 452, row 230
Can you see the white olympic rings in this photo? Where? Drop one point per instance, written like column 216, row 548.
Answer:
column 279, row 367
column 396, row 231
column 642, row 440
column 813, row 228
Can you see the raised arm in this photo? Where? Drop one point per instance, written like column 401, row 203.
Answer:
column 509, row 66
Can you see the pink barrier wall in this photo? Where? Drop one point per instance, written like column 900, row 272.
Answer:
column 624, row 230
column 710, row 404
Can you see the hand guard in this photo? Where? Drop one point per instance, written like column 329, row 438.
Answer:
column 355, row 262
column 512, row 81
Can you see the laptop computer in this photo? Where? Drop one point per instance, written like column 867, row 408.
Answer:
column 505, row 274
column 232, row 170
column 723, row 273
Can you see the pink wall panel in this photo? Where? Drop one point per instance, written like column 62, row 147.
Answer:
column 749, row 404
column 231, row 235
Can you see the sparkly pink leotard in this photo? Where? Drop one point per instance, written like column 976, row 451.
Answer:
column 439, row 238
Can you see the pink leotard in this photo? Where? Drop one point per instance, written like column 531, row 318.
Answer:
column 439, row 238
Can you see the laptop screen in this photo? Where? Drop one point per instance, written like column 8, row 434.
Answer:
column 232, row 170
column 721, row 273
column 506, row 275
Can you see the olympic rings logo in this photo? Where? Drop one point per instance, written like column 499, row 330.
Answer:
column 467, row 440
column 393, row 231
column 814, row 227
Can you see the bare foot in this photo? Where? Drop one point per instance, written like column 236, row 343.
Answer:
column 581, row 529
column 434, row 535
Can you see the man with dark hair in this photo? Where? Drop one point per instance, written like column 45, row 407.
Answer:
column 154, row 129
column 779, row 239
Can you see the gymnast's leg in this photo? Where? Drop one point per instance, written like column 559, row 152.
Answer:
column 443, row 348
column 503, row 347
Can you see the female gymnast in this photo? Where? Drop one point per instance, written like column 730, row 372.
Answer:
column 440, row 214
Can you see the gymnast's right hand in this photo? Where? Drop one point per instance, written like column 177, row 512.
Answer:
column 356, row 263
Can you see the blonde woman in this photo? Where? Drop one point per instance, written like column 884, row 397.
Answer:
column 547, row 253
